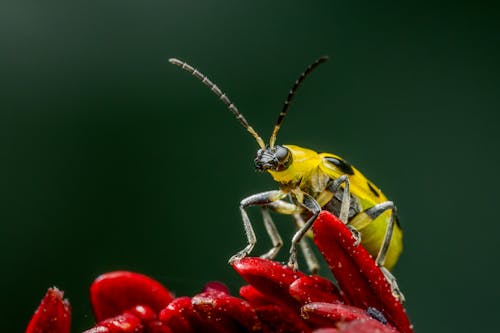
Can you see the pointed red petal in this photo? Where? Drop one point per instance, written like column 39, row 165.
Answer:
column 224, row 308
column 270, row 278
column 329, row 314
column 114, row 292
column 278, row 319
column 53, row 315
column 314, row 288
column 359, row 278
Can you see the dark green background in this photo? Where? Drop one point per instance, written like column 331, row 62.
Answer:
column 111, row 158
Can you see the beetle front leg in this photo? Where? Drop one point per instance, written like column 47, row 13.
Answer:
column 259, row 199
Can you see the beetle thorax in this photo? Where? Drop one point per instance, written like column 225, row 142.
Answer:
column 301, row 163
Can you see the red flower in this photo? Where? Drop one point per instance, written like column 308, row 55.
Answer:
column 276, row 299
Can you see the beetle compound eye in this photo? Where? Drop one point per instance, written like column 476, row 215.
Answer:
column 284, row 158
column 281, row 153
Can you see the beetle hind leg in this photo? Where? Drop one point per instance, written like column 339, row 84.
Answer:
column 396, row 292
column 370, row 215
column 356, row 234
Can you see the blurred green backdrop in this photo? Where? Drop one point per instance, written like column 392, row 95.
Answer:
column 111, row 158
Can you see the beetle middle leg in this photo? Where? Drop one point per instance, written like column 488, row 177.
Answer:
column 345, row 204
column 281, row 207
column 309, row 256
column 314, row 208
column 287, row 208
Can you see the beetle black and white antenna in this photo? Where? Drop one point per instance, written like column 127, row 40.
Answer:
column 222, row 96
column 291, row 93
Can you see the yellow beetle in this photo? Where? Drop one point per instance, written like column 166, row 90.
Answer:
column 309, row 182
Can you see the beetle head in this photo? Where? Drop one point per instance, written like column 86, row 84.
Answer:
column 277, row 158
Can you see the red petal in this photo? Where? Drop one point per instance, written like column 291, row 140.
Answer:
column 125, row 323
column 328, row 314
column 177, row 315
column 226, row 308
column 216, row 322
column 270, row 278
column 53, row 315
column 217, row 287
column 254, row 297
column 277, row 319
column 365, row 326
column 314, row 288
column 148, row 318
column 112, row 293
column 143, row 312
column 181, row 317
column 359, row 278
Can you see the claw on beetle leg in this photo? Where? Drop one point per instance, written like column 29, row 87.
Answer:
column 292, row 261
column 242, row 254
column 356, row 234
column 396, row 292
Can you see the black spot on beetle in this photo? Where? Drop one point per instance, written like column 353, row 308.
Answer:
column 373, row 189
column 342, row 165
